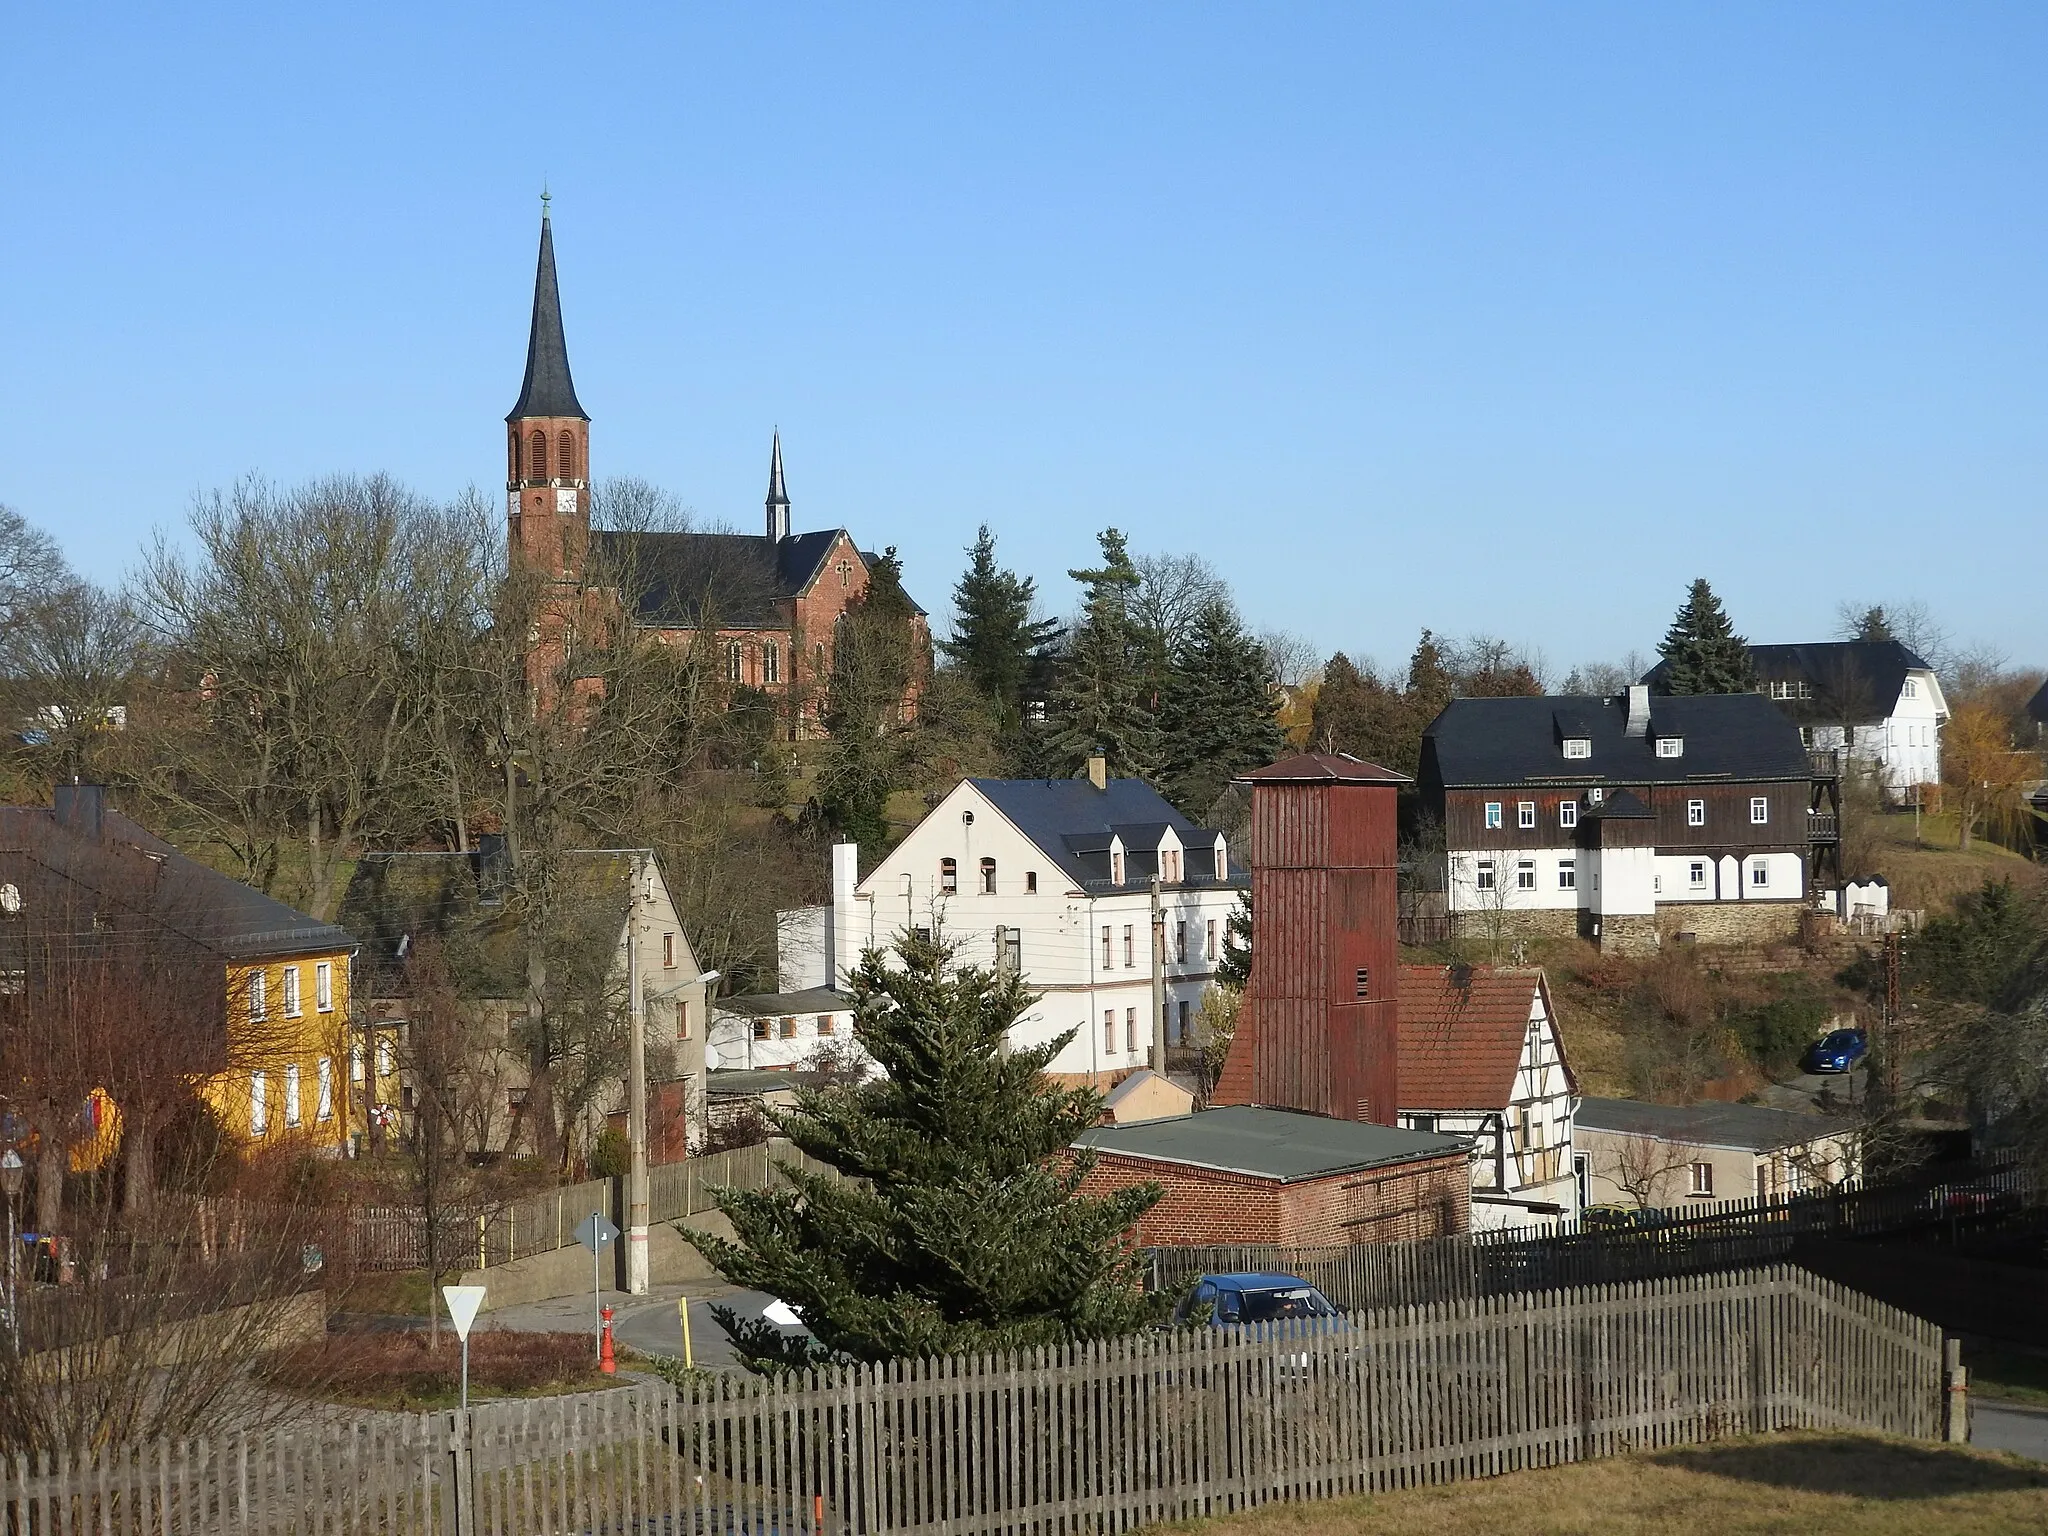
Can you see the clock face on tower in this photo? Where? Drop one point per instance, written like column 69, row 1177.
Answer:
column 565, row 503
column 513, row 499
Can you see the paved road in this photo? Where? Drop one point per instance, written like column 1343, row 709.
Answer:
column 1804, row 1090
column 649, row 1324
column 1998, row 1426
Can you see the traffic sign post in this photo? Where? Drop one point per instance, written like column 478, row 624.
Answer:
column 463, row 1302
column 593, row 1232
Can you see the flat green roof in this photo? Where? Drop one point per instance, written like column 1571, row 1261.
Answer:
column 1284, row 1145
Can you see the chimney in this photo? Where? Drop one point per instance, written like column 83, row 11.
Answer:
column 1638, row 711
column 1098, row 770
column 841, row 955
column 81, row 808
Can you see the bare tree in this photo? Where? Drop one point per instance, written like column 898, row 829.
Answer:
column 1642, row 1167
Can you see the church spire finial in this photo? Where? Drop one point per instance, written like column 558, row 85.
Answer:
column 548, row 389
column 778, row 498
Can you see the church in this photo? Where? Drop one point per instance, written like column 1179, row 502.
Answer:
column 773, row 599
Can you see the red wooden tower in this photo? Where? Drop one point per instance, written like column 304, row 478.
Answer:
column 1320, row 1023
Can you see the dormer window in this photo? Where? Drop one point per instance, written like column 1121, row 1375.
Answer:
column 1222, row 861
column 1578, row 746
column 1116, row 866
column 1671, row 746
column 1169, row 865
column 1912, row 688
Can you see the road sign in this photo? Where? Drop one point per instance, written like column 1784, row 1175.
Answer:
column 463, row 1303
column 595, row 1230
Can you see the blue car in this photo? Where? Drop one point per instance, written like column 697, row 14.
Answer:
column 1234, row 1300
column 1836, row 1051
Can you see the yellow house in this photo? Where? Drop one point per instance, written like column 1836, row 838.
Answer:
column 292, row 1069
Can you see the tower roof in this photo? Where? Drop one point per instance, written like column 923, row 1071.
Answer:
column 548, row 390
column 777, row 496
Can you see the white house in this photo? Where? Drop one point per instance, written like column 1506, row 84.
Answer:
column 1875, row 700
column 1481, row 1057
column 1053, row 877
column 765, row 1031
column 1660, row 1156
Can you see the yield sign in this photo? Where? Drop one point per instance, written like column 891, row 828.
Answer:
column 594, row 1231
column 463, row 1301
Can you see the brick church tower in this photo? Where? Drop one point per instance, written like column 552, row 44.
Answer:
column 547, row 441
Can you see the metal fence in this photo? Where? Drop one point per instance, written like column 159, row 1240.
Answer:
column 1102, row 1437
column 1701, row 1238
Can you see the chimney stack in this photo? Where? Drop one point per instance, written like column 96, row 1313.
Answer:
column 1098, row 770
column 1638, row 724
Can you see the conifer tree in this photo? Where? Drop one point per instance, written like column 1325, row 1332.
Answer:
column 1098, row 702
column 958, row 1224
column 1873, row 625
column 996, row 642
column 875, row 658
column 1357, row 713
column 1218, row 720
column 1701, row 651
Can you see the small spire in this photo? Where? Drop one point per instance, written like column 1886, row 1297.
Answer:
column 777, row 496
column 544, row 199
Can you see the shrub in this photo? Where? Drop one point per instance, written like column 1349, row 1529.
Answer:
column 399, row 1370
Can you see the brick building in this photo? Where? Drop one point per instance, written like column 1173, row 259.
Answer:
column 1244, row 1175
column 773, row 599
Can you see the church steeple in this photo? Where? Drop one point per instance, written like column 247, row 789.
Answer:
column 547, row 439
column 548, row 390
column 778, row 498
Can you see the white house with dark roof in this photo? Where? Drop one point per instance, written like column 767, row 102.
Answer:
column 1660, row 1156
column 1052, row 877
column 1876, row 701
column 1622, row 818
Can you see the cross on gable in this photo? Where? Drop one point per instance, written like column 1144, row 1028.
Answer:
column 845, row 569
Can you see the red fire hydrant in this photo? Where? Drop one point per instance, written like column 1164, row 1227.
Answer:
column 606, row 1361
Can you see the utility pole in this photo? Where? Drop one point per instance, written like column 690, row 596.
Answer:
column 1892, row 1029
column 1158, row 981
column 636, row 1092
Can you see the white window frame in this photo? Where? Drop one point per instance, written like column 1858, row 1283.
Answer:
column 1525, row 874
column 323, row 1097
column 1483, row 875
column 259, row 995
column 291, row 1097
column 1109, row 1031
column 292, row 1001
column 1759, row 810
column 1568, row 814
column 1759, row 875
column 1699, row 1179
column 1912, row 688
column 1696, row 874
column 1695, row 813
column 1567, row 874
column 1578, row 746
column 1209, row 940
column 1671, row 746
column 355, row 1061
column 1106, row 942
column 1130, row 946
column 1525, row 814
column 385, row 1055
column 1493, row 815
column 259, row 1104
column 323, row 986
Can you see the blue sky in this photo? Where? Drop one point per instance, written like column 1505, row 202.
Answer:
column 1501, row 318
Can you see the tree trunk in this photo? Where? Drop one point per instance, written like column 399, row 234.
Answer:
column 138, row 1188
column 51, row 1161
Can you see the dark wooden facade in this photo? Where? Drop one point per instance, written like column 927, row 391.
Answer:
column 1325, row 979
column 1728, row 828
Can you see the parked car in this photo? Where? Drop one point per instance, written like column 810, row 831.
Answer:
column 1620, row 1218
column 1226, row 1301
column 1836, row 1051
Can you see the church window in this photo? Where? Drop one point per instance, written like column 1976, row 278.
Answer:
column 732, row 662
column 565, row 456
column 771, row 663
column 537, row 456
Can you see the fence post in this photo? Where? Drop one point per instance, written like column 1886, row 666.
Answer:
column 1955, row 1381
column 483, row 1259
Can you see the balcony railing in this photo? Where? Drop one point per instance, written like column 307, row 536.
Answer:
column 1824, row 762
column 1823, row 827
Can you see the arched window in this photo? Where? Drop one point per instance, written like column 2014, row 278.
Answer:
column 537, row 455
column 949, row 877
column 988, row 877
column 565, row 456
column 732, row 661
column 771, row 662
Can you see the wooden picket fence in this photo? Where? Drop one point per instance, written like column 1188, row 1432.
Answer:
column 1097, row 1438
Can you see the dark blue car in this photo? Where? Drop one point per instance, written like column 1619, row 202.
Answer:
column 1234, row 1300
column 1836, row 1051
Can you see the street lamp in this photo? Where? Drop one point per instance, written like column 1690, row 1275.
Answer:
column 12, row 1172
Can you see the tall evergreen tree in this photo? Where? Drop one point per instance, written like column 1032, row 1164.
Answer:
column 959, row 1224
column 875, row 658
column 1356, row 713
column 1873, row 625
column 995, row 641
column 1701, row 651
column 1218, row 716
column 1098, row 699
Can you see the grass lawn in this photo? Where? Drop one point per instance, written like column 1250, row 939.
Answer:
column 1805, row 1484
column 398, row 1371
column 2009, row 1373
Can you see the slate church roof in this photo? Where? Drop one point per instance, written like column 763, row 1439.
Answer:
column 548, row 390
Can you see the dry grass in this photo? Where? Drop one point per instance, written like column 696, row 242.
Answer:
column 1928, row 874
column 1787, row 1485
column 396, row 1370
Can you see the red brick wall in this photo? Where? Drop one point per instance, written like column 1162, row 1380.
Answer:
column 1202, row 1206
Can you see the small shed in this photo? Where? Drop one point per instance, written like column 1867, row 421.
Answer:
column 1248, row 1175
column 1145, row 1095
column 1660, row 1156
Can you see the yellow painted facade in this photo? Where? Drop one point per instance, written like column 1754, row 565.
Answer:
column 315, row 1082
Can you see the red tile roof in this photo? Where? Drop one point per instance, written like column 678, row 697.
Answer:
column 1461, row 1046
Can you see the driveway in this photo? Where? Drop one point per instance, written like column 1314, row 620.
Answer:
column 2000, row 1426
column 1844, row 1091
column 650, row 1324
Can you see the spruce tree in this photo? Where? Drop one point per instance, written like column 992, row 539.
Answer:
column 1873, row 625
column 996, row 643
column 1357, row 713
column 958, row 1224
column 1701, row 651
column 1098, row 699
column 1217, row 719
